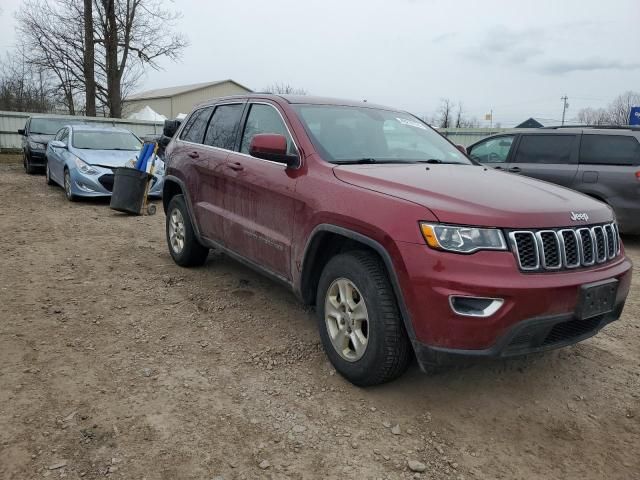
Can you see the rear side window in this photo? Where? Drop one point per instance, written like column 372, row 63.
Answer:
column 546, row 149
column 196, row 125
column 223, row 126
column 609, row 150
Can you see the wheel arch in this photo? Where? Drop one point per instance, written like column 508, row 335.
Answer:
column 326, row 241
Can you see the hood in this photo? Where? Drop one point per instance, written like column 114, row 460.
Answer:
column 475, row 195
column 41, row 138
column 106, row 158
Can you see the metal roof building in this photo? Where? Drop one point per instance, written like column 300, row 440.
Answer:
column 181, row 99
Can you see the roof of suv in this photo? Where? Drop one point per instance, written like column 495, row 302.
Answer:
column 299, row 99
column 575, row 129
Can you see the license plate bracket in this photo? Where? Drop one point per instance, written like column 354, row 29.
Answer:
column 596, row 298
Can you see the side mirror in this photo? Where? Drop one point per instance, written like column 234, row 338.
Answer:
column 57, row 144
column 272, row 146
column 170, row 128
column 21, row 131
column 462, row 148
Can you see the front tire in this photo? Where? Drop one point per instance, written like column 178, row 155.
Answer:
column 47, row 174
column 30, row 169
column 184, row 247
column 359, row 321
column 67, row 186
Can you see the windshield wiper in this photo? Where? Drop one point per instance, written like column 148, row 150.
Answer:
column 357, row 161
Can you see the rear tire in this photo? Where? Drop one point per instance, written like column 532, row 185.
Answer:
column 184, row 247
column 361, row 277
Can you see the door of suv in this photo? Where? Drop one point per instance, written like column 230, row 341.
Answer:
column 197, row 164
column 260, row 196
column 550, row 157
column 608, row 170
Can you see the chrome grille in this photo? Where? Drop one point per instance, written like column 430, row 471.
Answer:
column 565, row 248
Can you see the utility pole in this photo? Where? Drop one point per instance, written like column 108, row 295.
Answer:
column 565, row 105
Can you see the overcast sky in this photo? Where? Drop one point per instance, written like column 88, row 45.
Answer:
column 513, row 56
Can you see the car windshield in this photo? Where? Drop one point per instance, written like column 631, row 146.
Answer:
column 47, row 126
column 349, row 134
column 105, row 140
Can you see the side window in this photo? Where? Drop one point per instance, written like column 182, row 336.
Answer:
column 265, row 119
column 494, row 150
column 223, row 126
column 59, row 134
column 546, row 149
column 609, row 150
column 196, row 125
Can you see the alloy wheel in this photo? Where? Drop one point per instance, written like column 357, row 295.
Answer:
column 176, row 231
column 346, row 319
column 67, row 185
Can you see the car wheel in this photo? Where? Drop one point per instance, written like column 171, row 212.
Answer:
column 183, row 244
column 67, row 187
column 47, row 175
column 359, row 321
column 30, row 169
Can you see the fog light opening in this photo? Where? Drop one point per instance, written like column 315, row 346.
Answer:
column 475, row 306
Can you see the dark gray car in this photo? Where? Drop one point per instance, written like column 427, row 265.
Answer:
column 603, row 163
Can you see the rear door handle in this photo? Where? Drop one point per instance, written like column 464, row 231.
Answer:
column 193, row 154
column 515, row 169
column 235, row 166
column 499, row 168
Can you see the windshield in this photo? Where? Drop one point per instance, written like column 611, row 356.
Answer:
column 344, row 134
column 48, row 126
column 105, row 140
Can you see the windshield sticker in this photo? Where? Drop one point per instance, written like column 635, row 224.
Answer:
column 411, row 123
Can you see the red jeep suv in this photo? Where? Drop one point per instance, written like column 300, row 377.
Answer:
column 403, row 244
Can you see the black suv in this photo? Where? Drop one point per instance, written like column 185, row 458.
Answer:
column 603, row 163
column 36, row 134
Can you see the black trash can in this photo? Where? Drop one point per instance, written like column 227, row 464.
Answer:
column 129, row 186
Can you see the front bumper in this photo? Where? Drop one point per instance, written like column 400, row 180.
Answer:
column 37, row 158
column 537, row 308
column 101, row 183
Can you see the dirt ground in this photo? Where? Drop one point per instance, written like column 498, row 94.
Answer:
column 116, row 363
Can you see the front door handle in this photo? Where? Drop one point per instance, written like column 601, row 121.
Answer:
column 193, row 154
column 235, row 166
column 515, row 169
column 499, row 168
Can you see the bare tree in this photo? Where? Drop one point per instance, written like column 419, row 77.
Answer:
column 125, row 37
column 88, row 61
column 593, row 116
column 285, row 89
column 620, row 108
column 23, row 87
column 445, row 113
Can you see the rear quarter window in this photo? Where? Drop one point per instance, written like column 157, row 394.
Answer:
column 546, row 149
column 196, row 125
column 609, row 150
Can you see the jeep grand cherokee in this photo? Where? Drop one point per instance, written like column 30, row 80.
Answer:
column 403, row 244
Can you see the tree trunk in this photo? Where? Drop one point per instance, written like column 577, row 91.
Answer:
column 113, row 71
column 89, row 60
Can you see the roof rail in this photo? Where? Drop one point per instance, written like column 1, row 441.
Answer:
column 603, row 127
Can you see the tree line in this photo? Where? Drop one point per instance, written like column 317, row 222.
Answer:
column 85, row 56
column 616, row 113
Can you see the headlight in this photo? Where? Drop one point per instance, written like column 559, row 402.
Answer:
column 36, row 145
column 459, row 239
column 84, row 167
